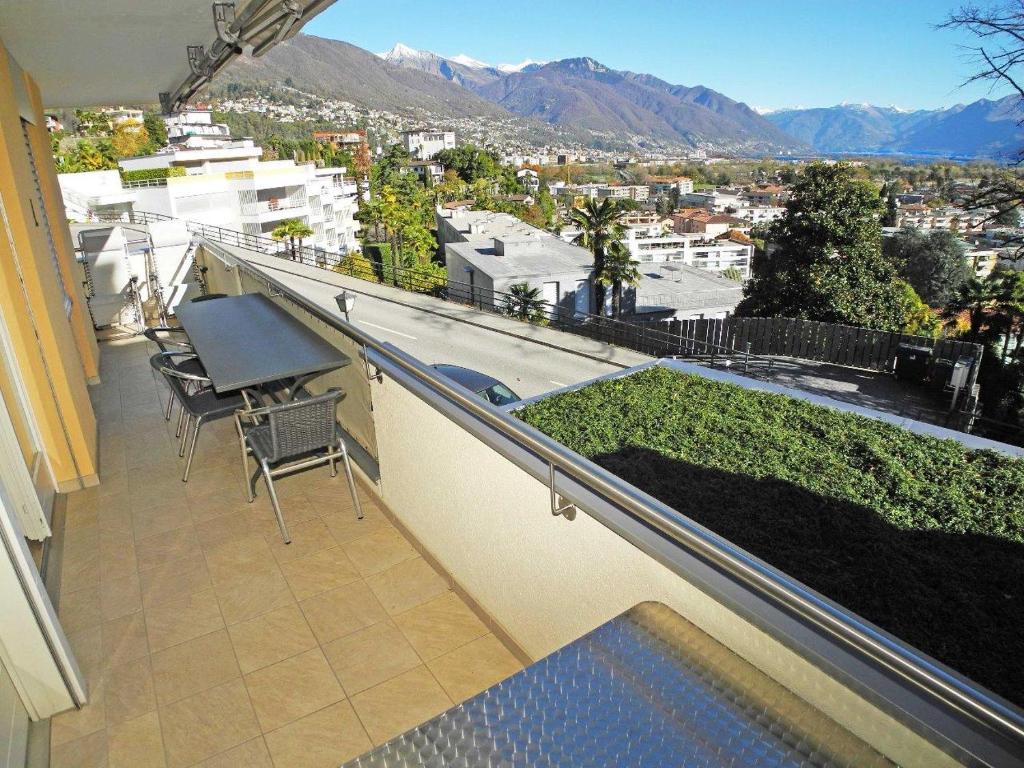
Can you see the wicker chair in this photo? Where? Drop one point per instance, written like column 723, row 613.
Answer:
column 289, row 437
column 169, row 339
column 199, row 403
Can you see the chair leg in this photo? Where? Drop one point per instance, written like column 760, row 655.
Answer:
column 273, row 500
column 184, row 434
column 245, row 471
column 170, row 405
column 181, row 422
column 192, row 448
column 351, row 480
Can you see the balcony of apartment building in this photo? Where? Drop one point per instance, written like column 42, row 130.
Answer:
column 502, row 600
column 485, row 548
column 272, row 204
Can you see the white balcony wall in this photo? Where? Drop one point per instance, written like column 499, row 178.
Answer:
column 547, row 580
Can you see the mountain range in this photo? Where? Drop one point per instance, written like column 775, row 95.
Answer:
column 984, row 128
column 581, row 94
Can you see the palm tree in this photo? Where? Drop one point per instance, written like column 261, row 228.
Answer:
column 974, row 297
column 599, row 228
column 524, row 303
column 292, row 230
column 620, row 268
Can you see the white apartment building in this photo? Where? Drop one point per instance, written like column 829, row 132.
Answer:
column 195, row 122
column 649, row 242
column 94, row 193
column 424, row 144
column 637, row 192
column 228, row 186
column 715, row 200
column 760, row 214
column 665, row 185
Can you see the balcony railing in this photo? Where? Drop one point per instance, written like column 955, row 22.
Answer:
column 485, row 492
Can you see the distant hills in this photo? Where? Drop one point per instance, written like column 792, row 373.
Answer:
column 984, row 128
column 581, row 94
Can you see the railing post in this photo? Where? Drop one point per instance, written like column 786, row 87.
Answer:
column 746, row 358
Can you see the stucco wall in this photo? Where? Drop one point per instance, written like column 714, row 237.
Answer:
column 547, row 580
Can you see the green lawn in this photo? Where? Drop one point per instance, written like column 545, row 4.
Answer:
column 919, row 535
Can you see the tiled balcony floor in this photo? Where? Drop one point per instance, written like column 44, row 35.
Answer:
column 207, row 641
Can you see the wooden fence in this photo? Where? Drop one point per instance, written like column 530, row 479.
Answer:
column 810, row 340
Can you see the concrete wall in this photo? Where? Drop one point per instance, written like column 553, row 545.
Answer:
column 547, row 580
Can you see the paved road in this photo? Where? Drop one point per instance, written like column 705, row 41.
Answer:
column 436, row 331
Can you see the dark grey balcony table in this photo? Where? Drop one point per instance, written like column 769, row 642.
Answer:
column 248, row 340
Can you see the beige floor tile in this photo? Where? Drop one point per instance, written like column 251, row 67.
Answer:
column 215, row 532
column 324, row 739
column 179, row 620
column 239, row 559
column 308, row 538
column 136, row 743
column 475, row 667
column 193, row 666
column 80, row 609
column 370, row 656
column 124, row 639
column 251, row 754
column 292, row 688
column 174, row 579
column 120, row 597
column 252, row 595
column 75, row 723
column 341, row 611
column 115, row 518
column 87, row 752
column 129, row 690
column 346, row 527
column 159, row 519
column 319, row 572
column 270, row 638
column 118, row 556
column 395, row 706
column 165, row 547
column 87, row 645
column 407, row 585
column 440, row 625
column 207, row 724
column 80, row 571
column 379, row 550
column 219, row 502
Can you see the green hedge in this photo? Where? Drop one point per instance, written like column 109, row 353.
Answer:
column 919, row 535
column 148, row 174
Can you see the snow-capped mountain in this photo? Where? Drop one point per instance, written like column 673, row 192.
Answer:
column 526, row 65
column 468, row 61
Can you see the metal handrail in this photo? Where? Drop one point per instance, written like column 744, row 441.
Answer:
column 839, row 624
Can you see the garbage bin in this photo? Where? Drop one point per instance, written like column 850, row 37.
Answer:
column 912, row 362
column 942, row 372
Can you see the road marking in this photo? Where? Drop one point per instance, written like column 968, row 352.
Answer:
column 558, row 383
column 389, row 330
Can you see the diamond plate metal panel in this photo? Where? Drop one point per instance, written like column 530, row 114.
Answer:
column 646, row 689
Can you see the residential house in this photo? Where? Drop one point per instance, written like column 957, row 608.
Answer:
column 195, row 122
column 429, row 171
column 425, row 143
column 486, row 253
column 665, row 185
column 529, row 180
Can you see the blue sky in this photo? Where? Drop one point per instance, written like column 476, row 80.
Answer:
column 782, row 53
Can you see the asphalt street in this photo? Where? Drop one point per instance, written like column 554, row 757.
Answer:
column 435, row 331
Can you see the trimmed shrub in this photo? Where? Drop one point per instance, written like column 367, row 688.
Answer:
column 150, row 174
column 921, row 536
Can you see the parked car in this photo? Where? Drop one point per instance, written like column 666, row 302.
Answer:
column 487, row 387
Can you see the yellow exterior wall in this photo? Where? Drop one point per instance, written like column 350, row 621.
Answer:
column 81, row 323
column 47, row 353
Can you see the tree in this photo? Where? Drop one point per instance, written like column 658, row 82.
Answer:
column 733, row 273
column 599, row 228
column 975, row 298
column 888, row 195
column 156, row 129
column 130, row 138
column 292, row 230
column 934, row 263
column 524, row 303
column 827, row 262
column 620, row 268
